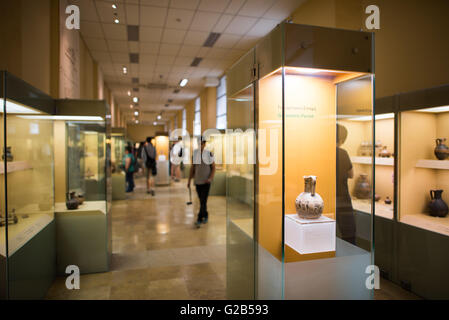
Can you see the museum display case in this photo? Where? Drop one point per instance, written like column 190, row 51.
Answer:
column 118, row 144
column 313, row 112
column 27, row 228
column 83, row 185
column 161, row 143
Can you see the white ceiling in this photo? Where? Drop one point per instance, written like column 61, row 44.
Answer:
column 172, row 33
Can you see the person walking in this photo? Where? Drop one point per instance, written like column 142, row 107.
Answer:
column 129, row 163
column 149, row 159
column 202, row 171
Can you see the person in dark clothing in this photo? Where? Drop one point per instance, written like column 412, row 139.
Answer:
column 148, row 154
column 202, row 171
column 345, row 212
column 129, row 163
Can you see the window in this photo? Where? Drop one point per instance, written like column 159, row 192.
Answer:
column 184, row 121
column 221, row 104
column 197, row 120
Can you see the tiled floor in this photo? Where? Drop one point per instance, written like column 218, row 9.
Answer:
column 158, row 254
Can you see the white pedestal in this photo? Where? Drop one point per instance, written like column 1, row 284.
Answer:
column 163, row 175
column 310, row 235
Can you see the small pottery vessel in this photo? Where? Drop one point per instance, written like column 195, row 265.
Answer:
column 437, row 206
column 72, row 202
column 12, row 218
column 378, row 146
column 441, row 150
column 9, row 156
column 362, row 187
column 309, row 204
column 388, row 200
column 80, row 198
column 384, row 153
column 377, row 197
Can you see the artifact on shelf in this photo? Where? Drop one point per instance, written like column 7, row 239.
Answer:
column 362, row 187
column 387, row 200
column 72, row 201
column 378, row 147
column 384, row 153
column 80, row 198
column 309, row 204
column 9, row 156
column 366, row 149
column 437, row 206
column 12, row 218
column 377, row 197
column 441, row 150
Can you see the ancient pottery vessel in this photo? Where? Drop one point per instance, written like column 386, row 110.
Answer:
column 384, row 153
column 72, row 202
column 309, row 204
column 387, row 200
column 9, row 156
column 441, row 150
column 362, row 187
column 437, row 206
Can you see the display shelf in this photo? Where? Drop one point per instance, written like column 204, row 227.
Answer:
column 381, row 209
column 86, row 208
column 15, row 166
column 368, row 160
column 433, row 164
column 427, row 222
column 23, row 231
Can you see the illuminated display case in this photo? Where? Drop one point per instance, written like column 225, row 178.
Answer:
column 118, row 144
column 161, row 143
column 27, row 232
column 83, row 166
column 312, row 86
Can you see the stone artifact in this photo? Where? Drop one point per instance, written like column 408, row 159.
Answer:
column 441, row 150
column 388, row 200
column 72, row 202
column 12, row 218
column 309, row 205
column 362, row 187
column 437, row 206
column 384, row 153
column 9, row 156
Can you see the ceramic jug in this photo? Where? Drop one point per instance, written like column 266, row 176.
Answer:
column 441, row 150
column 363, row 187
column 72, row 202
column 437, row 206
column 309, row 204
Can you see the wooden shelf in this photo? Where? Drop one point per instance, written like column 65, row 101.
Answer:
column 368, row 160
column 425, row 221
column 433, row 164
column 15, row 166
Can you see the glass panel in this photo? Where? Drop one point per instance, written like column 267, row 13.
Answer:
column 221, row 106
column 28, row 212
column 118, row 152
column 319, row 216
column 424, row 169
column 239, row 151
column 221, row 89
column 221, row 122
column 3, row 255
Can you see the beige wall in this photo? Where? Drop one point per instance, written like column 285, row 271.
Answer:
column 139, row 132
column 411, row 46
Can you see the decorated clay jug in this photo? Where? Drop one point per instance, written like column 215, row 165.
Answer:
column 72, row 202
column 363, row 187
column 441, row 150
column 309, row 204
column 437, row 206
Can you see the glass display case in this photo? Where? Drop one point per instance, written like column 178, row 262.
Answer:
column 161, row 142
column 118, row 144
column 27, row 228
column 308, row 102
column 83, row 175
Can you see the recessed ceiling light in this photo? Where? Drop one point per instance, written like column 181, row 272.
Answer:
column 154, row 123
column 116, row 20
column 159, row 117
column 131, row 106
column 114, row 6
column 136, row 113
column 135, row 100
column 129, row 93
column 125, row 70
column 137, row 121
column 183, row 82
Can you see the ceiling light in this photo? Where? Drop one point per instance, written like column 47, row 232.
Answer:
column 159, row 117
column 137, row 121
column 135, row 100
column 114, row 6
column 154, row 123
column 435, row 109
column 369, row 118
column 183, row 82
column 136, row 113
column 116, row 20
column 131, row 106
column 129, row 93
column 125, row 70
